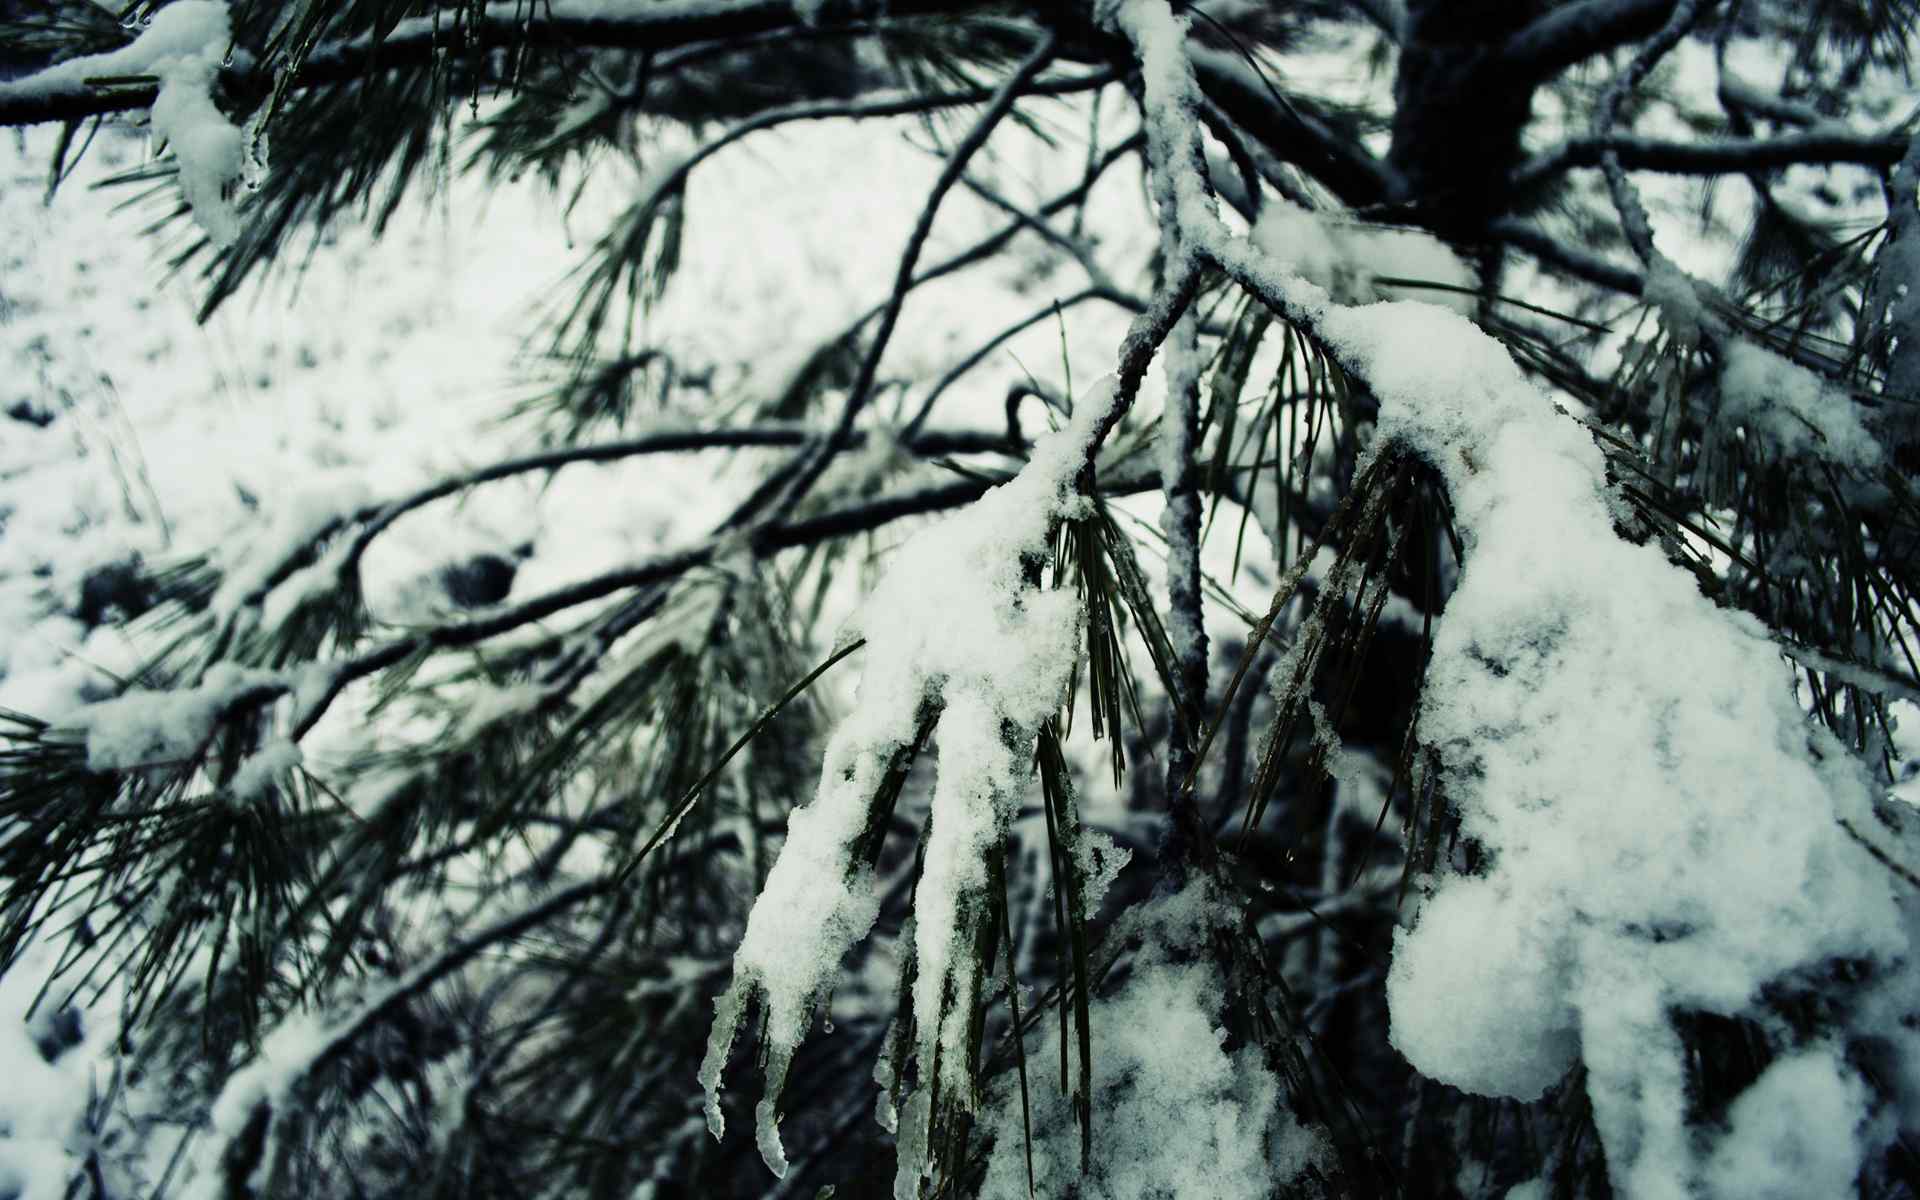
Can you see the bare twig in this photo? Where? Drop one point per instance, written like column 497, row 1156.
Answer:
column 1010, row 92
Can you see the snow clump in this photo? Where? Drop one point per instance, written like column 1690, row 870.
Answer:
column 148, row 728
column 955, row 624
column 1176, row 1111
column 1792, row 410
column 1350, row 260
column 183, row 46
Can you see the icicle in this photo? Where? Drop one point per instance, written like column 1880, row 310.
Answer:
column 727, row 1010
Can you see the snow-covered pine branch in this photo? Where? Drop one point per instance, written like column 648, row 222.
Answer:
column 1425, row 723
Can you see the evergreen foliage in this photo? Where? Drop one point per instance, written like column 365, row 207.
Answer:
column 483, row 962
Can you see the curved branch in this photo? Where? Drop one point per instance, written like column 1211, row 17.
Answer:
column 380, row 517
column 1075, row 248
column 332, row 679
column 265, row 1103
column 999, row 339
column 990, row 245
column 1005, row 97
column 1575, row 32
column 905, row 104
column 1634, row 220
column 1714, row 158
column 561, row 24
column 1340, row 162
column 1568, row 259
column 1739, row 97
column 376, row 518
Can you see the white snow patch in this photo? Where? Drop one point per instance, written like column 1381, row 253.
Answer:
column 1793, row 410
column 1184, row 365
column 1099, row 861
column 43, row 1105
column 183, row 46
column 1660, row 823
column 1631, row 758
column 1794, row 1133
column 954, row 620
column 1175, row 1113
column 487, row 706
column 285, row 1056
column 304, row 516
column 145, row 728
column 1349, row 259
column 309, row 583
column 1668, row 289
column 265, row 768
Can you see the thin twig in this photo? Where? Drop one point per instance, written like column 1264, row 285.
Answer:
column 1009, row 93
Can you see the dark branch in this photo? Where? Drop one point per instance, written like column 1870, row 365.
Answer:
column 417, row 42
column 1575, row 32
column 981, row 353
column 1290, row 135
column 375, row 519
column 1005, row 97
column 663, row 568
column 1568, row 259
column 1714, row 158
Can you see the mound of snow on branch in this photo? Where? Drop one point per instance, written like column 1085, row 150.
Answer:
column 956, row 623
column 1354, row 262
column 1661, row 830
column 1661, row 824
column 1176, row 1113
column 182, row 46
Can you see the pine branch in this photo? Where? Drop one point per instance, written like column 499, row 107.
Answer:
column 1626, row 198
column 621, row 254
column 987, row 247
column 1712, row 157
column 1572, row 33
column 985, row 350
column 650, row 692
column 1575, row 261
column 417, row 43
column 1741, row 98
column 1074, row 248
column 1339, row 161
column 861, row 390
column 763, row 542
column 376, row 518
column 244, row 1157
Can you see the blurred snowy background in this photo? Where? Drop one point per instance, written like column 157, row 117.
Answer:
column 131, row 434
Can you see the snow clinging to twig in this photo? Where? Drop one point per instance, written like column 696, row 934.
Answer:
column 286, row 1055
column 1661, row 823
column 1179, row 1111
column 183, row 46
column 297, row 519
column 1789, row 407
column 148, row 728
column 955, row 623
column 1661, row 829
column 1352, row 260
